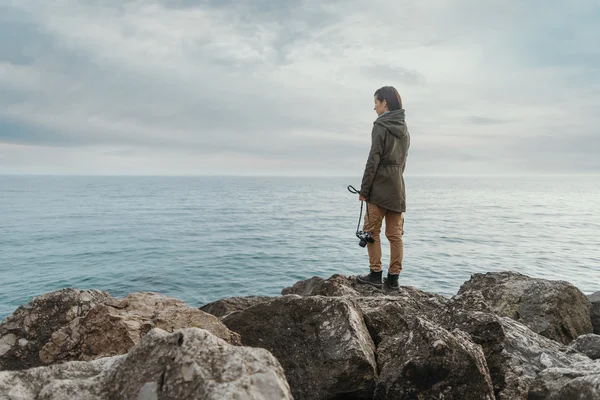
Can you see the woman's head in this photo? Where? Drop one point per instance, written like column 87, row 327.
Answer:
column 387, row 98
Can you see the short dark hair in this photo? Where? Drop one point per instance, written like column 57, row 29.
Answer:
column 391, row 97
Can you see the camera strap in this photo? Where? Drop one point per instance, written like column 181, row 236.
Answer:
column 353, row 190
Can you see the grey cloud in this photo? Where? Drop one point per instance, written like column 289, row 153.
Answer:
column 582, row 141
column 478, row 120
column 20, row 133
column 290, row 21
column 20, row 39
column 434, row 42
column 395, row 74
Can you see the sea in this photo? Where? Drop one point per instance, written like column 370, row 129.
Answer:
column 200, row 239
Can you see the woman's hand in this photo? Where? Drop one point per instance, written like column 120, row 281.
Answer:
column 361, row 198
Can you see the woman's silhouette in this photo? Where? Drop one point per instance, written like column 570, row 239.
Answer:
column 383, row 185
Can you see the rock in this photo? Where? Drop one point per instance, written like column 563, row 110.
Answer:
column 580, row 381
column 469, row 313
column 187, row 364
column 74, row 380
column 194, row 364
column 75, row 325
column 419, row 359
column 412, row 303
column 337, row 285
column 584, row 387
column 7, row 342
column 149, row 391
column 222, row 307
column 587, row 344
column 321, row 342
column 530, row 353
column 595, row 311
column 36, row 321
column 342, row 286
column 555, row 309
column 515, row 354
column 109, row 330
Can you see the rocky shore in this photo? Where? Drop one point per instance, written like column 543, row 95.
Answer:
column 502, row 336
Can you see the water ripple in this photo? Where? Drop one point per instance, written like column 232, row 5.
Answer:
column 200, row 239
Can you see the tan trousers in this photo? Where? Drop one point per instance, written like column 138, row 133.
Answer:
column 394, row 230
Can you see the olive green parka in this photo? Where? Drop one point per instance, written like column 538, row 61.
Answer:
column 383, row 180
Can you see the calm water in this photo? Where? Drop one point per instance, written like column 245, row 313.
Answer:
column 201, row 239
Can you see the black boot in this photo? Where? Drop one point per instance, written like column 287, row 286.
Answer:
column 373, row 278
column 392, row 281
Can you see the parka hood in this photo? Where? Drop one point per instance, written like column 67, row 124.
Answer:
column 394, row 122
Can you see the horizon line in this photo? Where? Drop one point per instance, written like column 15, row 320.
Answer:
column 432, row 175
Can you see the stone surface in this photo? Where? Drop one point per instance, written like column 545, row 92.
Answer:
column 340, row 285
column 187, row 364
column 36, row 321
column 337, row 285
column 95, row 326
column 514, row 353
column 580, row 381
column 555, row 309
column 74, row 380
column 7, row 342
column 108, row 330
column 595, row 311
column 194, row 364
column 221, row 308
column 587, row 344
column 419, row 359
column 321, row 342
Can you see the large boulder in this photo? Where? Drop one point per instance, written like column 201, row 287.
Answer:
column 419, row 359
column 187, row 364
column 515, row 354
column 108, row 330
column 321, row 342
column 221, row 308
column 587, row 344
column 77, row 380
column 192, row 363
column 101, row 326
column 30, row 327
column 555, row 309
column 469, row 313
column 595, row 311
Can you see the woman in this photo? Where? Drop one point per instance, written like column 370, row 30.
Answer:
column 383, row 186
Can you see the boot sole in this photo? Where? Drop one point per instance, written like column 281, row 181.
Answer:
column 377, row 285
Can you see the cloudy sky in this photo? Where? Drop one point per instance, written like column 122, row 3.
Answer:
column 222, row 87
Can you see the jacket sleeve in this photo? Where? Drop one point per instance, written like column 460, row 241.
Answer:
column 377, row 146
column 406, row 157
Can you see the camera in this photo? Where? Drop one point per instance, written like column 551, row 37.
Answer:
column 364, row 238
